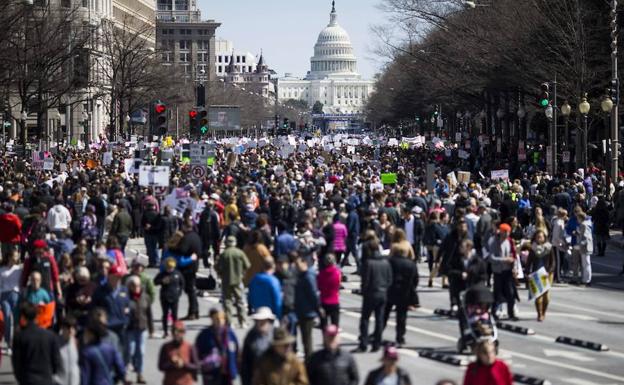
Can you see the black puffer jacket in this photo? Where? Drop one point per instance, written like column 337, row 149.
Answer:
column 336, row 368
column 404, row 279
column 376, row 375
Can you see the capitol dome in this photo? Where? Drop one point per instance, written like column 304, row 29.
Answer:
column 333, row 52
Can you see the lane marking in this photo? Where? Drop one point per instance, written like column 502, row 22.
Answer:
column 604, row 313
column 575, row 356
column 543, row 361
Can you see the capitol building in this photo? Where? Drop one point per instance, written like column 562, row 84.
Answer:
column 333, row 79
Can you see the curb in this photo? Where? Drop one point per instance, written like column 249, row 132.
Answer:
column 529, row 380
column 444, row 358
column 582, row 344
column 515, row 328
column 445, row 313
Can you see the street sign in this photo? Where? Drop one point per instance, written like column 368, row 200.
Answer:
column 154, row 176
column 198, row 171
column 566, row 156
column 201, row 152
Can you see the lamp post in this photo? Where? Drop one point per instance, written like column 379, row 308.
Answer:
column 607, row 106
column 615, row 84
column 584, row 108
column 566, row 110
column 85, row 122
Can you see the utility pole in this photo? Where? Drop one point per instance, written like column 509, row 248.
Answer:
column 554, row 128
column 615, row 83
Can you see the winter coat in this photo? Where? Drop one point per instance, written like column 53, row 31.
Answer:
column 172, row 285
column 254, row 346
column 328, row 281
column 265, row 290
column 332, row 367
column 340, row 237
column 404, row 279
column 10, row 228
column 496, row 374
column 307, row 300
column 231, row 266
column 273, row 369
column 101, row 364
column 212, row 347
column 376, row 276
column 376, row 375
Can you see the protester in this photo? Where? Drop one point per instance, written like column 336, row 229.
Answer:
column 331, row 364
column 389, row 372
column 328, row 282
column 265, row 289
column 541, row 256
column 217, row 351
column 231, row 267
column 172, row 283
column 279, row 365
column 502, row 259
column 487, row 370
column 257, row 342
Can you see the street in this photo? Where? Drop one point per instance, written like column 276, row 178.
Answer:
column 593, row 314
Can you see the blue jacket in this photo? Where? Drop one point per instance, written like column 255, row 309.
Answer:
column 571, row 227
column 265, row 290
column 307, row 300
column 101, row 364
column 353, row 225
column 206, row 342
column 115, row 302
column 181, row 260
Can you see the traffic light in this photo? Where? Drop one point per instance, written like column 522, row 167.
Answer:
column 286, row 124
column 194, row 124
column 544, row 98
column 160, row 119
column 203, row 120
column 614, row 90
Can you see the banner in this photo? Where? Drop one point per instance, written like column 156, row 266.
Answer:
column 539, row 283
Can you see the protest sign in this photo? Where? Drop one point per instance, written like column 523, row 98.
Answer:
column 463, row 177
column 539, row 283
column 154, row 176
column 389, row 178
column 499, row 174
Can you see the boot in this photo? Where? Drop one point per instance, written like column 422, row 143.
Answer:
column 141, row 379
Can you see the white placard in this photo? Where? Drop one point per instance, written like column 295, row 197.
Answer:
column 154, row 176
column 107, row 158
column 499, row 174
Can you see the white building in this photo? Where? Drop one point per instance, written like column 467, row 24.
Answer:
column 333, row 79
column 245, row 62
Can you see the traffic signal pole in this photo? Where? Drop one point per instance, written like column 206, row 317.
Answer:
column 616, row 98
column 553, row 137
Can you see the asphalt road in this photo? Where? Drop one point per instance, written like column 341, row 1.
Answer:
column 593, row 314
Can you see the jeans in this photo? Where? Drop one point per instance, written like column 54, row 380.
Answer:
column 9, row 301
column 135, row 346
column 370, row 304
column 151, row 244
column 586, row 267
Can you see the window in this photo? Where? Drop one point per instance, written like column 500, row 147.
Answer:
column 164, row 5
column 166, row 57
column 203, row 44
column 185, row 32
column 238, row 59
column 202, row 56
column 184, row 57
column 220, row 60
column 181, row 5
column 249, row 69
column 185, row 44
column 244, row 58
column 220, row 69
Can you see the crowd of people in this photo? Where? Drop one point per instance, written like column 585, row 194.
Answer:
column 279, row 232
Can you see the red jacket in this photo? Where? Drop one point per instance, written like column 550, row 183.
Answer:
column 10, row 228
column 497, row 374
column 328, row 282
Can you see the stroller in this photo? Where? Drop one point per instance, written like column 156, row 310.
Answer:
column 475, row 321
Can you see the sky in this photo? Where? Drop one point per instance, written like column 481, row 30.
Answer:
column 286, row 30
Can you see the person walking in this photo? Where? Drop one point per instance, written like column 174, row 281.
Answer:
column 585, row 246
column 138, row 319
column 541, row 255
column 256, row 343
column 328, row 282
column 231, row 268
column 265, row 289
column 217, row 351
column 172, row 282
column 151, row 230
column 100, row 361
column 177, row 359
column 389, row 372
column 307, row 302
column 502, row 259
column 487, row 369
column 400, row 292
column 70, row 372
column 376, row 280
column 601, row 218
column 279, row 365
column 10, row 274
column 122, row 227
column 558, row 240
column 331, row 364
column 36, row 356
column 209, row 232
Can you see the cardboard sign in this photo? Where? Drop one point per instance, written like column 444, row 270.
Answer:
column 461, row 154
column 389, row 178
column 154, row 176
column 107, row 158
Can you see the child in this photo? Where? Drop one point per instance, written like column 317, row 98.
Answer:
column 172, row 283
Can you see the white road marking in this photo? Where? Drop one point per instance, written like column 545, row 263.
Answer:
column 572, row 315
column 582, row 309
column 578, row 381
column 527, row 357
column 575, row 356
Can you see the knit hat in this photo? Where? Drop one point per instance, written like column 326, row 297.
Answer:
column 40, row 244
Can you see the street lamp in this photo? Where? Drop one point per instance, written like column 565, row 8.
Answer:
column 584, row 108
column 606, row 104
column 549, row 112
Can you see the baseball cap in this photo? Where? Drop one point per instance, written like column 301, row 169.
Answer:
column 331, row 331
column 504, row 227
column 390, row 353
